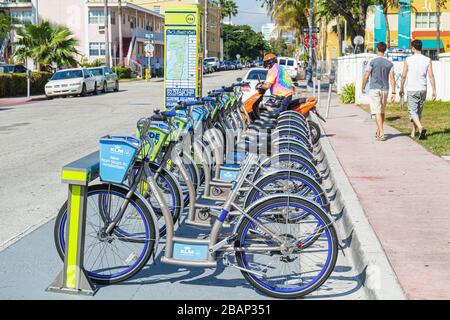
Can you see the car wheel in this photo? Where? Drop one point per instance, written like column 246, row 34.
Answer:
column 105, row 87
column 116, row 88
column 83, row 91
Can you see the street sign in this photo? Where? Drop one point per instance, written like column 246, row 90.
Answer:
column 315, row 41
column 314, row 30
column 149, row 36
column 182, row 58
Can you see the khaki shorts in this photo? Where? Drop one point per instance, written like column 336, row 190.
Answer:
column 378, row 101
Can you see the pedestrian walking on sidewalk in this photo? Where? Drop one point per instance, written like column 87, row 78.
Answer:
column 380, row 70
column 415, row 70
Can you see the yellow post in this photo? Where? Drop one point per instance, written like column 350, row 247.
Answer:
column 146, row 74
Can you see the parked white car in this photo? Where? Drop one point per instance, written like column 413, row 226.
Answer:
column 252, row 77
column 106, row 79
column 213, row 62
column 71, row 82
column 291, row 66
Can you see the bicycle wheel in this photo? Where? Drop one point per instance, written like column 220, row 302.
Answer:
column 315, row 131
column 118, row 257
column 289, row 145
column 287, row 181
column 287, row 270
column 292, row 134
column 289, row 160
column 171, row 192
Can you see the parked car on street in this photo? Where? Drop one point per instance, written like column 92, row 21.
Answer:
column 291, row 66
column 71, row 82
column 207, row 68
column 12, row 68
column 238, row 65
column 253, row 76
column 213, row 62
column 106, row 79
column 230, row 65
column 223, row 66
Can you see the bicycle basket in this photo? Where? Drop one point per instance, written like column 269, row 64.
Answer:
column 116, row 156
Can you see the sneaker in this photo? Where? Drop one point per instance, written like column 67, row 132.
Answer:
column 422, row 134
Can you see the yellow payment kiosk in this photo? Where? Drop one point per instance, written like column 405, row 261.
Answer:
column 183, row 56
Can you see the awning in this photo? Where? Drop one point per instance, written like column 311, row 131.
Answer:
column 430, row 44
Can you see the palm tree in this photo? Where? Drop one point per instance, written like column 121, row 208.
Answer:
column 46, row 44
column 228, row 8
column 5, row 24
column 386, row 5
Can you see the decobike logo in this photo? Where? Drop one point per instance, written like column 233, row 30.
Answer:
column 154, row 136
column 190, row 19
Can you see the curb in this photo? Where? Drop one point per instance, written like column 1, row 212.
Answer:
column 366, row 253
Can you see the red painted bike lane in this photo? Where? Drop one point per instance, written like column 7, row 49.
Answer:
column 405, row 193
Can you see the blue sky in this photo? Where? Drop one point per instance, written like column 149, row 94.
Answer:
column 251, row 13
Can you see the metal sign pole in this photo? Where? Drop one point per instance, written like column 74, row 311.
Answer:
column 332, row 78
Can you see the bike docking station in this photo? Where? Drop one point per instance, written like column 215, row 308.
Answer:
column 73, row 278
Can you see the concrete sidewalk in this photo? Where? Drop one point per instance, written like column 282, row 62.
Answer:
column 405, row 193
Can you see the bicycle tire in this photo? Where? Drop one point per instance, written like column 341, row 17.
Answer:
column 59, row 234
column 255, row 212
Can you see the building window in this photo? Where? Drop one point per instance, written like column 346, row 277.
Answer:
column 21, row 17
column 132, row 21
column 113, row 17
column 96, row 17
column 426, row 20
column 97, row 49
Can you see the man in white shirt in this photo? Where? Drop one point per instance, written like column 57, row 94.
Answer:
column 416, row 69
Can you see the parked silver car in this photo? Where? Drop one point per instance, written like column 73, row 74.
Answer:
column 106, row 79
column 71, row 82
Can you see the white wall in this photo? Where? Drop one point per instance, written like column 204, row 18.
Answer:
column 351, row 70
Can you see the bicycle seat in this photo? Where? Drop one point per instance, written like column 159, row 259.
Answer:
column 296, row 102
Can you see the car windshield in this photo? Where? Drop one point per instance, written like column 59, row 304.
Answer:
column 209, row 60
column 97, row 72
column 253, row 75
column 290, row 63
column 283, row 62
column 68, row 74
column 6, row 69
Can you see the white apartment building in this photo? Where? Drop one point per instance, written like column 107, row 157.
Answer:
column 86, row 21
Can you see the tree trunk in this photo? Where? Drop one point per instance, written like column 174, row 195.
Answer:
column 119, row 17
column 339, row 33
column 388, row 29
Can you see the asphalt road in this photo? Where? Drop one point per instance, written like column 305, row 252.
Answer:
column 37, row 140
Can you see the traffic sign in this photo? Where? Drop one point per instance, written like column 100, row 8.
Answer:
column 314, row 30
column 315, row 41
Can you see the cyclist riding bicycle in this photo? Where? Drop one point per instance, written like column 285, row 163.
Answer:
column 278, row 81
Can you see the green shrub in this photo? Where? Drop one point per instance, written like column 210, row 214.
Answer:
column 86, row 64
column 15, row 84
column 348, row 95
column 122, row 73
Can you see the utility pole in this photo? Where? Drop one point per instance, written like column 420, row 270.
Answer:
column 120, row 35
column 206, row 29
column 438, row 28
column 107, row 55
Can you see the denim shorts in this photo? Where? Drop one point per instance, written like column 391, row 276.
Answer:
column 416, row 100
